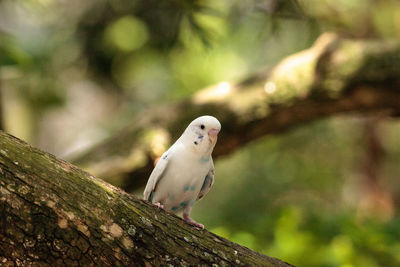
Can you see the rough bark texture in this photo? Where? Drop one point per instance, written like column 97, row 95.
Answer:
column 334, row 76
column 54, row 214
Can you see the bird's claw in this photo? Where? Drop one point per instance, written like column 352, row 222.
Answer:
column 159, row 205
column 191, row 221
column 201, row 226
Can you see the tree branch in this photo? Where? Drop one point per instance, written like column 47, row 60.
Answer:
column 334, row 76
column 53, row 213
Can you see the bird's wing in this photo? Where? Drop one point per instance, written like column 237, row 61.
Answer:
column 208, row 182
column 157, row 174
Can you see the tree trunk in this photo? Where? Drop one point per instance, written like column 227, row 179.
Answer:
column 334, row 76
column 375, row 200
column 54, row 214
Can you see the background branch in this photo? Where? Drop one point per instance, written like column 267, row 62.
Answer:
column 334, row 76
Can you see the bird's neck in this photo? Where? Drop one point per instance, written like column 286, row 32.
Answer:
column 204, row 147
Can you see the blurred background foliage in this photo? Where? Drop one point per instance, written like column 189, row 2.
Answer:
column 325, row 194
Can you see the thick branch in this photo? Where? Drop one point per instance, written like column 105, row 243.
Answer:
column 335, row 75
column 52, row 213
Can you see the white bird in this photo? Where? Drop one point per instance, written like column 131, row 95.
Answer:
column 185, row 172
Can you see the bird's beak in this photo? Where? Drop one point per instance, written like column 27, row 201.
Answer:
column 213, row 133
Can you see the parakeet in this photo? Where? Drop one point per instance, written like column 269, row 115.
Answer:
column 185, row 172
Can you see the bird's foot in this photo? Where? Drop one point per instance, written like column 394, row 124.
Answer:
column 159, row 205
column 191, row 221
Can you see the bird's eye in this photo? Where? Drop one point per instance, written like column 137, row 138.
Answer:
column 202, row 126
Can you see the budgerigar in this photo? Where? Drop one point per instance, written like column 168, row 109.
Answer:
column 185, row 172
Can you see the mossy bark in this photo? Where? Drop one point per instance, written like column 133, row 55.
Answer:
column 334, row 76
column 54, row 214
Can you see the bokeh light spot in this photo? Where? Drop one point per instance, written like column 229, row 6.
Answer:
column 270, row 87
column 126, row 34
column 223, row 88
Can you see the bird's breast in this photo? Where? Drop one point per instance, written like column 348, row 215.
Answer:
column 182, row 184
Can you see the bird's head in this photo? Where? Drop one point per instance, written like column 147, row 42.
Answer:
column 203, row 132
